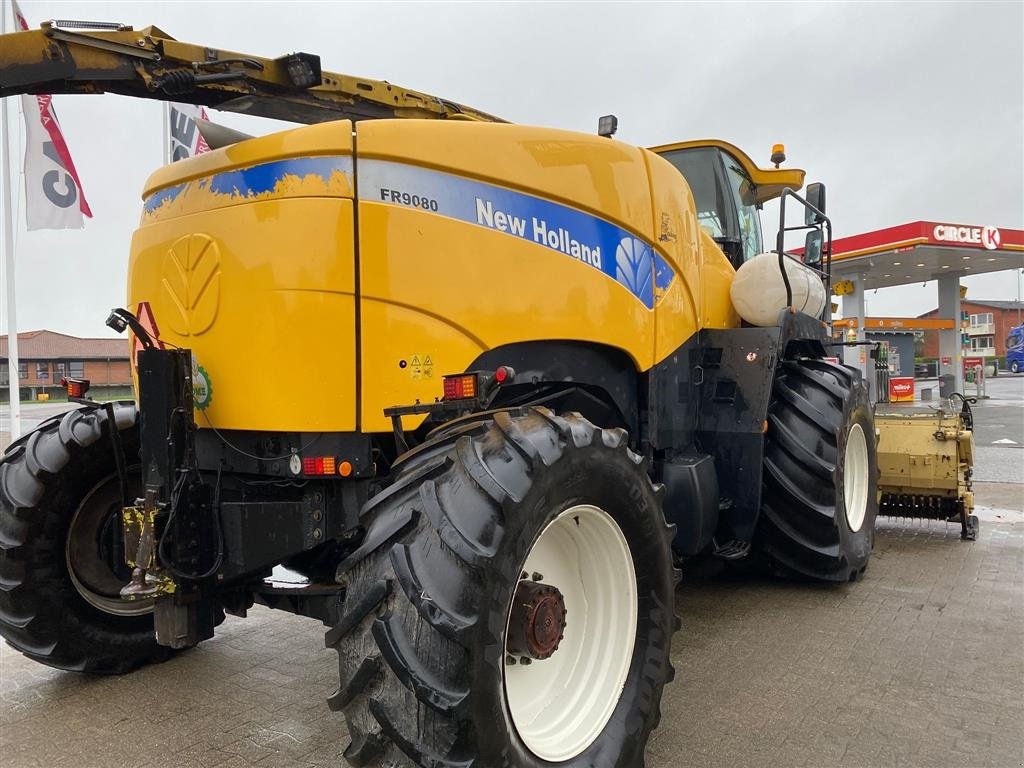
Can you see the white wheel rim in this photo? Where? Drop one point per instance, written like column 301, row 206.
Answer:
column 855, row 478
column 561, row 704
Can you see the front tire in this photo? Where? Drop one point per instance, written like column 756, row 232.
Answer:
column 59, row 503
column 820, row 495
column 428, row 675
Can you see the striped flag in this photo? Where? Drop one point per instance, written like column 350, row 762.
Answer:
column 53, row 191
column 184, row 139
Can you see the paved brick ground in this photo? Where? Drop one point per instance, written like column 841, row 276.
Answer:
column 920, row 664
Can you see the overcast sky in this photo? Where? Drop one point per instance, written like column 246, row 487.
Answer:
column 906, row 111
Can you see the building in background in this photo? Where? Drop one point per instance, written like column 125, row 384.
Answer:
column 986, row 325
column 47, row 356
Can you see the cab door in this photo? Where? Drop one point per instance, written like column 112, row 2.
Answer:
column 725, row 198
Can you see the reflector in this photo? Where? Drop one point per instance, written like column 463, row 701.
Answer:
column 503, row 374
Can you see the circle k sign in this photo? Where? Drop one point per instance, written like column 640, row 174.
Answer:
column 990, row 237
column 987, row 237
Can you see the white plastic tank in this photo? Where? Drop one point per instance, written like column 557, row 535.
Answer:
column 758, row 291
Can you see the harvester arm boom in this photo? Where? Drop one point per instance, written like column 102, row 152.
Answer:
column 87, row 57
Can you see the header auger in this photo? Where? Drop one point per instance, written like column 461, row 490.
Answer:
column 527, row 391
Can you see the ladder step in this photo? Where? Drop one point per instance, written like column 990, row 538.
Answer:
column 733, row 550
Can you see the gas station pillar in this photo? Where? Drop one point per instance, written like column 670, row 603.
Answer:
column 853, row 306
column 950, row 352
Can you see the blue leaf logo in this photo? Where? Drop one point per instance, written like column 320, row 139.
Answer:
column 633, row 266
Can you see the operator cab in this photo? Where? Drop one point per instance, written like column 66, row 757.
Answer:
column 729, row 189
column 724, row 195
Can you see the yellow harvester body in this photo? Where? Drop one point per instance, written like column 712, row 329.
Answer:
column 323, row 274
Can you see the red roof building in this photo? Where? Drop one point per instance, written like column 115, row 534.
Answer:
column 987, row 325
column 46, row 356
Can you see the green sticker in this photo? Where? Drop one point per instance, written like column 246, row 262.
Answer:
column 202, row 387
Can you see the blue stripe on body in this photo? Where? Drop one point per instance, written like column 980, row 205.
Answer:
column 256, row 179
column 262, row 178
column 618, row 253
column 157, row 199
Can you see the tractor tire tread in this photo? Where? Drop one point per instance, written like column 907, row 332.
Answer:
column 41, row 614
column 803, row 530
column 402, row 659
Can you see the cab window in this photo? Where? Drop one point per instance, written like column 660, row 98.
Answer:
column 724, row 197
column 746, row 207
column 700, row 169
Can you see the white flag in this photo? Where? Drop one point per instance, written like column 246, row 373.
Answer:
column 53, row 192
column 183, row 134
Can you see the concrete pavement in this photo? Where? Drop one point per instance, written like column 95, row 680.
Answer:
column 999, row 431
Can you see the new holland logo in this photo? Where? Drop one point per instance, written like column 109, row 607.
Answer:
column 190, row 283
column 633, row 262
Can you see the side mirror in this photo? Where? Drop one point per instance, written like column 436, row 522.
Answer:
column 816, row 197
column 812, row 248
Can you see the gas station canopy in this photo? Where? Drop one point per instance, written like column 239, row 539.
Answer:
column 925, row 250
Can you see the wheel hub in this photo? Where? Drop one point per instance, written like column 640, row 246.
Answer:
column 537, row 621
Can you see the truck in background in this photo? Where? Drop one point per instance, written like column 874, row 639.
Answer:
column 1015, row 349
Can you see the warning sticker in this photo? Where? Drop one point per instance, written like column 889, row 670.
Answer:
column 421, row 366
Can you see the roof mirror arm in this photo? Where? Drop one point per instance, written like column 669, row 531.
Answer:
column 817, row 244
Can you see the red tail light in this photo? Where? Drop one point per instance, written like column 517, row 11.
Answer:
column 460, row 386
column 318, row 465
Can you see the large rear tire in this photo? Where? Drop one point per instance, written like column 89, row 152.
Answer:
column 429, row 671
column 820, row 494
column 59, row 504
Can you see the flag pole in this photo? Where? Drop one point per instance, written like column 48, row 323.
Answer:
column 167, row 138
column 13, row 368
